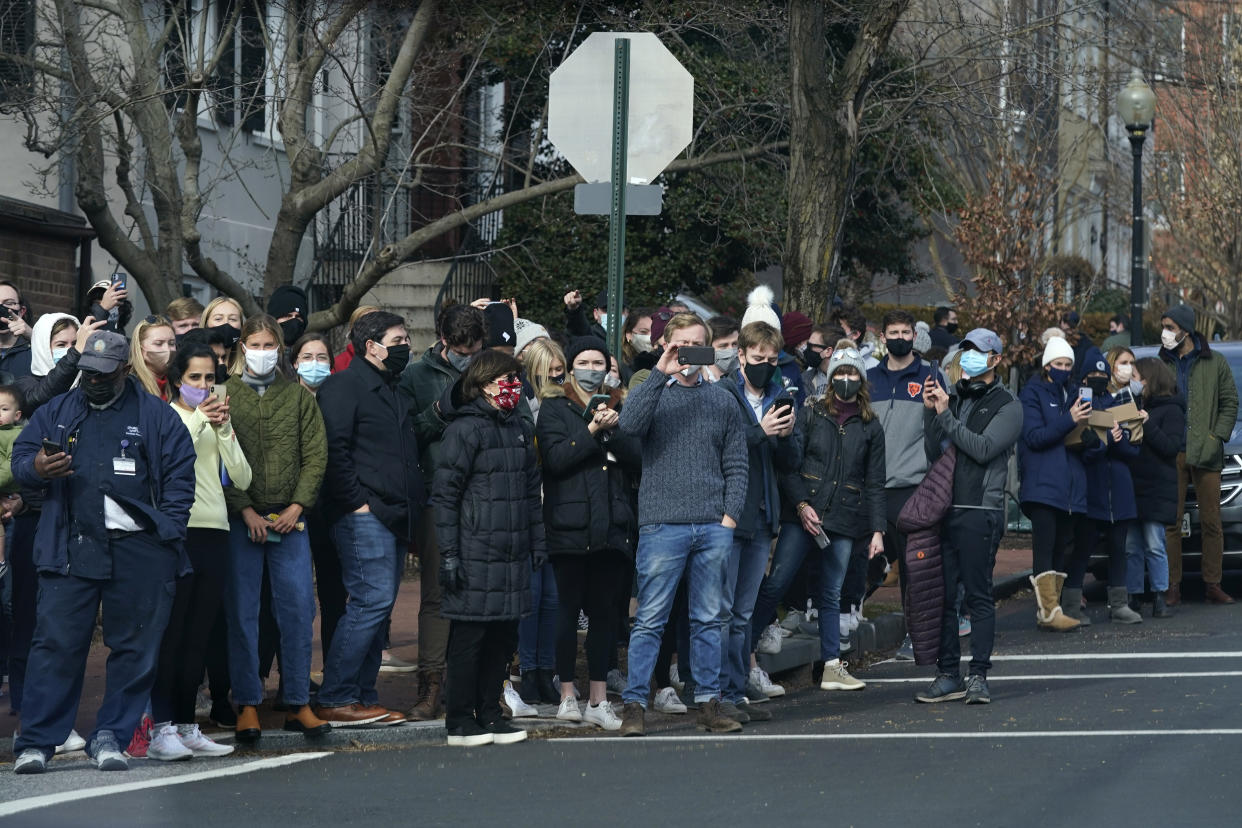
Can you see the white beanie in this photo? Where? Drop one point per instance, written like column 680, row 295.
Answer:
column 526, row 332
column 759, row 308
column 1057, row 348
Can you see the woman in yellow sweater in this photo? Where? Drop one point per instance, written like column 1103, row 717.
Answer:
column 183, row 650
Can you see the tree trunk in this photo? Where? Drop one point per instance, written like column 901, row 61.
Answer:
column 825, row 104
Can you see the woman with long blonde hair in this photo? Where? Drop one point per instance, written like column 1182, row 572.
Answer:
column 151, row 350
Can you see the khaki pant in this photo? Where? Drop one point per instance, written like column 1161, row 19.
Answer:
column 433, row 629
column 1212, row 537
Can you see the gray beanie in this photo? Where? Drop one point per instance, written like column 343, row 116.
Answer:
column 847, row 357
column 1183, row 316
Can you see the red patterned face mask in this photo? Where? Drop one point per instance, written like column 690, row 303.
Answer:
column 509, row 395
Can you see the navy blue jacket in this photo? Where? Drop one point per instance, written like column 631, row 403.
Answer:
column 768, row 457
column 170, row 459
column 792, row 373
column 1051, row 473
column 1155, row 472
column 1110, row 491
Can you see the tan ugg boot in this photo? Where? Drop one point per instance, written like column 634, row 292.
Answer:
column 1048, row 615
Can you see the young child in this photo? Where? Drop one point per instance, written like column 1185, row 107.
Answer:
column 489, row 523
column 10, row 425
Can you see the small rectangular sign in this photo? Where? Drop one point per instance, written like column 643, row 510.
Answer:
column 595, row 199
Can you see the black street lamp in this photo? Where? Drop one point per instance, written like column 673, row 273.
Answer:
column 1137, row 105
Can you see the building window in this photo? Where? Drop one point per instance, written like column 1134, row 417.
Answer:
column 238, row 86
column 16, row 38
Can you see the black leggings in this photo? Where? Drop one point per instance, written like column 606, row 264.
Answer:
column 1052, row 536
column 1090, row 533
column 183, row 650
column 593, row 583
column 478, row 652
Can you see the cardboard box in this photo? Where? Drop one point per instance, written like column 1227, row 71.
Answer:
column 1102, row 422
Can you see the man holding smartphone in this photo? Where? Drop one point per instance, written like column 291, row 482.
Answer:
column 14, row 334
column 983, row 422
column 767, row 412
column 692, row 492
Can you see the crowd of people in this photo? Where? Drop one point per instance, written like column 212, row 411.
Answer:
column 210, row 482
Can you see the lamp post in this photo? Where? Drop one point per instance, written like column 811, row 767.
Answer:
column 1137, row 105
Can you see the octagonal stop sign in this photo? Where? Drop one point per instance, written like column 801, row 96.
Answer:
column 661, row 107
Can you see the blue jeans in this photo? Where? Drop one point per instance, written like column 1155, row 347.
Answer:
column 537, row 631
column 665, row 550
column 833, row 563
column 1145, row 544
column 372, row 563
column 747, row 561
column 293, row 604
column 791, row 549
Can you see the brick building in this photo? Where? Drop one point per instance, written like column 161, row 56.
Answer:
column 46, row 253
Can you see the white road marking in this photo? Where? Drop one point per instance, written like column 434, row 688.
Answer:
column 840, row 737
column 1071, row 677
column 1116, row 656
column 17, row 806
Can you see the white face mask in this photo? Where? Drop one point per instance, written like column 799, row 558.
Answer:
column 641, row 342
column 1123, row 373
column 1170, row 340
column 261, row 363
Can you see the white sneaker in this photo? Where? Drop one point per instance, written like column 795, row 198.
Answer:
column 760, row 677
column 74, row 742
column 769, row 641
column 811, row 612
column 674, row 678
column 568, row 711
column 202, row 704
column 792, row 620
column 602, row 714
column 666, row 701
column 615, row 681
column 32, row 760
column 198, row 744
column 518, row 708
column 166, row 746
column 836, row 677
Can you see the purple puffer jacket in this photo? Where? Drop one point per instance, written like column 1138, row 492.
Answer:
column 920, row 520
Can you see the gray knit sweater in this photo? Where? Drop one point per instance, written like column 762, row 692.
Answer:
column 694, row 451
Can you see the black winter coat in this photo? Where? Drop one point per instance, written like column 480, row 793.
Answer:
column 372, row 449
column 486, row 499
column 586, row 498
column 1155, row 471
column 841, row 475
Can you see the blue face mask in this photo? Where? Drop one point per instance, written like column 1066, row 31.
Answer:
column 974, row 363
column 1059, row 376
column 58, row 354
column 313, row 373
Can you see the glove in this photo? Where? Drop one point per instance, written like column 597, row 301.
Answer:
column 452, row 579
column 537, row 560
column 1089, row 438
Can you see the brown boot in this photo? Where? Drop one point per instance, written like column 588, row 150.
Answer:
column 304, row 721
column 247, row 729
column 428, row 706
column 1048, row 614
column 1173, row 595
column 1213, row 594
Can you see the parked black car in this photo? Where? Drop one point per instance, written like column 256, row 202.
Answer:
column 1230, row 487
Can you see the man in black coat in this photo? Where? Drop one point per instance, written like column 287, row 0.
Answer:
column 374, row 492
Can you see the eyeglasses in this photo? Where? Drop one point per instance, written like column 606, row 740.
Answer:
column 848, row 353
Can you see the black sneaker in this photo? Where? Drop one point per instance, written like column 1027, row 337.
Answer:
column 756, row 714
column 977, row 690
column 504, row 733
column 633, row 720
column 469, row 734
column 731, row 710
column 686, row 694
column 946, row 687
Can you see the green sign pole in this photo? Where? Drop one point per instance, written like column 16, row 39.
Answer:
column 616, row 221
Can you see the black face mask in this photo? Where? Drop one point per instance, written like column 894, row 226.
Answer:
column 951, row 327
column 227, row 332
column 105, row 389
column 899, row 347
column 222, row 373
column 846, row 389
column 398, row 357
column 759, row 375
column 557, row 379
column 972, row 387
column 291, row 329
column 813, row 357
column 1098, row 385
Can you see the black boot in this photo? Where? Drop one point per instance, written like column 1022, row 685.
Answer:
column 547, row 691
column 1136, row 603
column 529, row 691
column 1160, row 609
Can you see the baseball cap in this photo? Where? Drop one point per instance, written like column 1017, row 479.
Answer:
column 105, row 352
column 984, row 340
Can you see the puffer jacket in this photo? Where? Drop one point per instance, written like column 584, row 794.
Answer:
column 486, row 500
column 841, row 473
column 1211, row 403
column 422, row 385
column 1050, row 472
column 1110, row 491
column 920, row 520
column 586, row 496
column 1155, row 471
column 282, row 435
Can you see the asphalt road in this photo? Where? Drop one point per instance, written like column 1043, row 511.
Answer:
column 1107, row 726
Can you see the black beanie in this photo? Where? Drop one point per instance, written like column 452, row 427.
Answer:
column 287, row 299
column 585, row 343
column 499, row 320
column 1183, row 316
